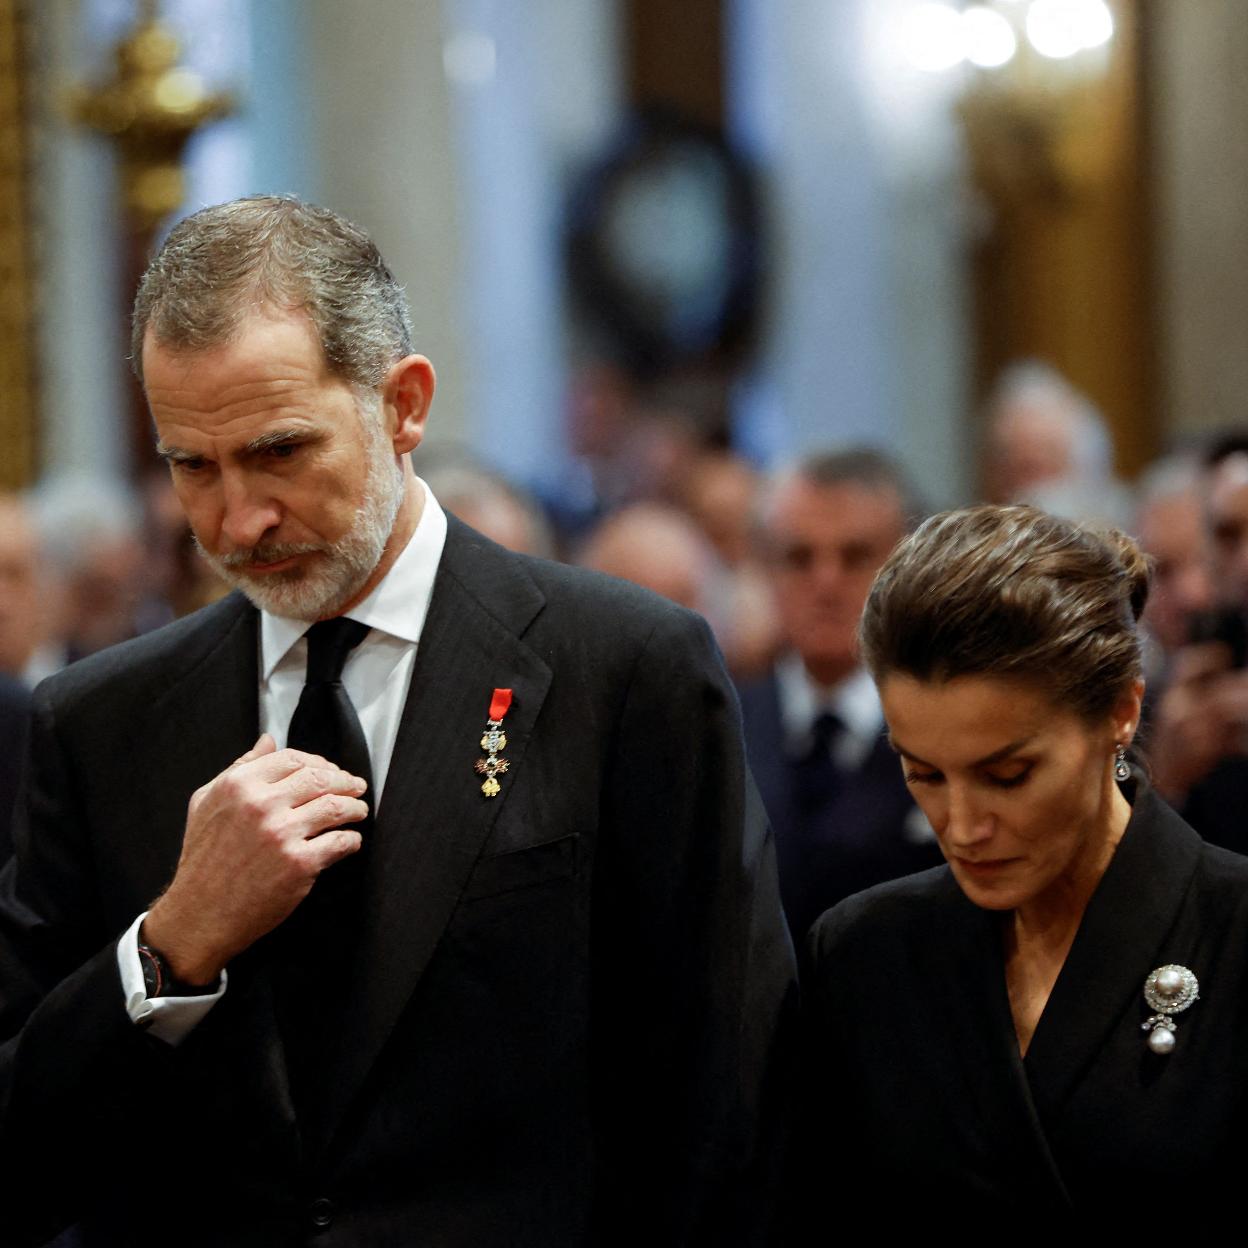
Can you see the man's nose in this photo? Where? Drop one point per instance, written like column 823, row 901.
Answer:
column 828, row 572
column 1194, row 588
column 248, row 513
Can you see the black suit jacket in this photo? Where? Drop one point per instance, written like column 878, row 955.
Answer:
column 569, row 1000
column 863, row 836
column 908, row 996
column 14, row 718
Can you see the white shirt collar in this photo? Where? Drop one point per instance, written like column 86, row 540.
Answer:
column 397, row 605
column 854, row 702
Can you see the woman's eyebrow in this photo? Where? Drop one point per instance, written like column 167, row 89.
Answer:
column 995, row 757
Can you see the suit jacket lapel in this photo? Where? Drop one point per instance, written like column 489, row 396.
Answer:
column 434, row 819
column 1120, row 940
column 208, row 717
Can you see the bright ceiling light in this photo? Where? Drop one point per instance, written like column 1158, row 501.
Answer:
column 1098, row 24
column 1061, row 28
column 988, row 37
column 933, row 37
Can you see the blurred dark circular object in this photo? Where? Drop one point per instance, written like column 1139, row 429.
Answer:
column 664, row 247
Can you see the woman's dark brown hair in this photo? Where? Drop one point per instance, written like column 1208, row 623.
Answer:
column 1014, row 592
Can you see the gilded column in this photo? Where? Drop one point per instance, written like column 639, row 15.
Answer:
column 19, row 400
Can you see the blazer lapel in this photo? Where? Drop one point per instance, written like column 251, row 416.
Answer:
column 992, row 1071
column 434, row 818
column 1121, row 939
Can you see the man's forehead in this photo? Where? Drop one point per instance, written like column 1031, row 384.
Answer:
column 1228, row 487
column 257, row 327
column 837, row 506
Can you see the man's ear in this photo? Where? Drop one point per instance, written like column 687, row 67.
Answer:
column 406, row 396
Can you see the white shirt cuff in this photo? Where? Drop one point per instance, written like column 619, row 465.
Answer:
column 170, row 1019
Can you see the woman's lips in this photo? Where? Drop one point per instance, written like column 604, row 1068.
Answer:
column 985, row 866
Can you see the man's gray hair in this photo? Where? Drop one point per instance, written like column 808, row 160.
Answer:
column 1037, row 385
column 223, row 263
column 864, row 466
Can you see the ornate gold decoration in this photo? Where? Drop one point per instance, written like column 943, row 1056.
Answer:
column 150, row 108
column 493, row 740
column 1060, row 256
column 18, row 395
column 1030, row 138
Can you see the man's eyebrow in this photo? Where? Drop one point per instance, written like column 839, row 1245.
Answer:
column 278, row 437
column 174, row 454
column 995, row 757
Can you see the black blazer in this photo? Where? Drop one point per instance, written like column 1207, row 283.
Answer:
column 863, row 836
column 569, row 1003
column 914, row 1074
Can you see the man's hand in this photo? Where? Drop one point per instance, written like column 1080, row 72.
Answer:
column 1201, row 719
column 257, row 836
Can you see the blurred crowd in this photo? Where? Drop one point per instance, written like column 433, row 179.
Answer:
column 779, row 564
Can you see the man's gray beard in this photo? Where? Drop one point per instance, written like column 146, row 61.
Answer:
column 319, row 589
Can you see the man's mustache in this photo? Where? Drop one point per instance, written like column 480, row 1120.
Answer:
column 265, row 552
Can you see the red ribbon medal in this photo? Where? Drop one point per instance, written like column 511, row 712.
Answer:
column 493, row 740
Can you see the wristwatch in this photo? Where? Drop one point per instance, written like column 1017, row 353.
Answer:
column 160, row 981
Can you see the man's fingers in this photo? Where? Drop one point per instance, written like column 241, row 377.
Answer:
column 331, row 847
column 328, row 811
column 313, row 781
column 279, row 764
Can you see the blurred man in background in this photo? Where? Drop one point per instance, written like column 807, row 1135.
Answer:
column 842, row 816
column 91, row 536
column 721, row 494
column 1170, row 526
column 1046, row 444
column 490, row 504
column 1199, row 748
column 28, row 598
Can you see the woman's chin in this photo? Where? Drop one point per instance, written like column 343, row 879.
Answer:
column 992, row 885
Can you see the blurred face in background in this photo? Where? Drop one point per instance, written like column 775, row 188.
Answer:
column 1172, row 530
column 720, row 494
column 1228, row 529
column 1028, row 446
column 824, row 544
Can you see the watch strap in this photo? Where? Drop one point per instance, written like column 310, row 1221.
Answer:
column 160, row 981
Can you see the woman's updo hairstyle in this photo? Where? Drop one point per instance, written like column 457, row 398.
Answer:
column 1014, row 592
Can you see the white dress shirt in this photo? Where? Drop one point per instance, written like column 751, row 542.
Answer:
column 854, row 702
column 377, row 676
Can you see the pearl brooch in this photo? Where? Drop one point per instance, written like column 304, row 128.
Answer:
column 1169, row 990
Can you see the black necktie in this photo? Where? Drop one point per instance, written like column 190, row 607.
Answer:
column 318, row 943
column 325, row 722
column 816, row 777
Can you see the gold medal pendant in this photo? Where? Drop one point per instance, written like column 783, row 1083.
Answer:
column 494, row 739
column 491, row 768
